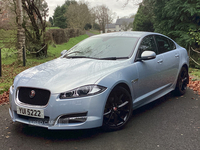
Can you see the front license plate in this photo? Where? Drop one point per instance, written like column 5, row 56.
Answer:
column 37, row 113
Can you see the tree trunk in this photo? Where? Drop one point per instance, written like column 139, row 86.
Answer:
column 20, row 30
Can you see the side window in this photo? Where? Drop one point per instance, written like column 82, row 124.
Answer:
column 172, row 45
column 163, row 44
column 147, row 44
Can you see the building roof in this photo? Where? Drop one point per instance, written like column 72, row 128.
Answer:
column 110, row 26
column 124, row 20
column 121, row 21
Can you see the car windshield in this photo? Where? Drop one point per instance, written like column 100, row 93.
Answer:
column 103, row 47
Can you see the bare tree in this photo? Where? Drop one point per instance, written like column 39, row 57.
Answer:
column 103, row 16
column 20, row 30
column 135, row 2
column 35, row 26
column 78, row 15
column 6, row 16
column 92, row 18
column 30, row 16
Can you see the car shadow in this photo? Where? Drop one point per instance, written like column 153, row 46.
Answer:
column 58, row 135
column 73, row 135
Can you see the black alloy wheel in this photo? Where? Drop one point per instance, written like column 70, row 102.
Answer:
column 118, row 109
column 182, row 82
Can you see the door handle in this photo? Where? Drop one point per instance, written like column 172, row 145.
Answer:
column 160, row 61
column 177, row 55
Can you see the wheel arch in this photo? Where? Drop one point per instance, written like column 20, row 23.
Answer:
column 185, row 66
column 124, row 85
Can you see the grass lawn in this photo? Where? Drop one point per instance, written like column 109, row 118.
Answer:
column 194, row 72
column 10, row 69
column 47, row 28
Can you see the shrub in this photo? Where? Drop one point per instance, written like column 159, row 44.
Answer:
column 60, row 36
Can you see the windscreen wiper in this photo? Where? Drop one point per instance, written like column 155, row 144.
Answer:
column 80, row 57
column 113, row 58
column 106, row 58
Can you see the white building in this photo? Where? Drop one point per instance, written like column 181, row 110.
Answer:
column 123, row 24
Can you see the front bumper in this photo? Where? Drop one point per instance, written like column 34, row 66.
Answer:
column 85, row 112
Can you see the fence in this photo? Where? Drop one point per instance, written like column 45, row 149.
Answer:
column 8, row 43
column 24, row 59
column 196, row 55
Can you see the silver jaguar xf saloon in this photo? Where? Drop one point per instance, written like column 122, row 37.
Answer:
column 99, row 81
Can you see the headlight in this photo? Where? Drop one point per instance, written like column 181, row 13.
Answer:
column 83, row 91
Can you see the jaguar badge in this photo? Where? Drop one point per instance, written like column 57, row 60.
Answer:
column 32, row 94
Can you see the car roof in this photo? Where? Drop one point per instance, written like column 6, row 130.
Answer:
column 137, row 34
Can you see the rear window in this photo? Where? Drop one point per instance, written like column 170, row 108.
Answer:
column 163, row 44
column 172, row 45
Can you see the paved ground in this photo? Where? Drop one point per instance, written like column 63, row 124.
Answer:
column 89, row 33
column 170, row 123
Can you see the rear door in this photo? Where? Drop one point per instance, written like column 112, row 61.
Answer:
column 170, row 64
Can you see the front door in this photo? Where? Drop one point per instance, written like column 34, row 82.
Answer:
column 148, row 82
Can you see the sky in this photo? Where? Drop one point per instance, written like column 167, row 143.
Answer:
column 116, row 6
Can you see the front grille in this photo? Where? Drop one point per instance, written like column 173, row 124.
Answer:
column 40, row 98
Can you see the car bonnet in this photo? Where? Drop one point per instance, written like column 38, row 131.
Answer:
column 63, row 74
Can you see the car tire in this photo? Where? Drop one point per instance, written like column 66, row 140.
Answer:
column 118, row 109
column 182, row 81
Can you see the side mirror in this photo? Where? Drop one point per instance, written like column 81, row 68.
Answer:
column 147, row 55
column 63, row 52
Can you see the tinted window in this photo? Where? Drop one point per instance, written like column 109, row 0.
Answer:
column 163, row 44
column 147, row 44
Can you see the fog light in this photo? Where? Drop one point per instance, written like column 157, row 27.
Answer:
column 73, row 118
